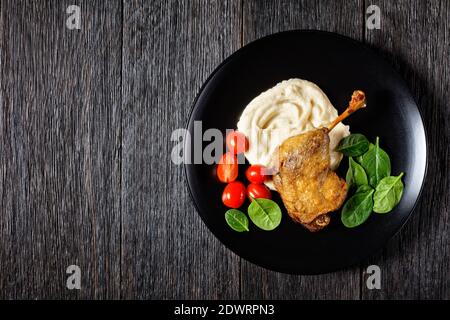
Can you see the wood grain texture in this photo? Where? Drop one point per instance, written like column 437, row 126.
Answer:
column 86, row 118
column 59, row 138
column 415, row 38
column 267, row 17
column 170, row 48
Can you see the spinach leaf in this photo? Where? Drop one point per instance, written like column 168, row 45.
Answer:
column 355, row 174
column 237, row 220
column 265, row 213
column 376, row 162
column 353, row 145
column 363, row 188
column 388, row 194
column 349, row 178
column 358, row 208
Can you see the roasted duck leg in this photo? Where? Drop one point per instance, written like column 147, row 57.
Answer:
column 308, row 187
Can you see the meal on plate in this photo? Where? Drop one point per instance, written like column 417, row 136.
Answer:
column 308, row 186
column 291, row 107
column 293, row 139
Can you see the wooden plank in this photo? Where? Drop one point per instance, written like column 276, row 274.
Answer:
column 267, row 17
column 59, row 139
column 170, row 47
column 415, row 37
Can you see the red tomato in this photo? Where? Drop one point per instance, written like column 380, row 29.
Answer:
column 256, row 173
column 258, row 191
column 233, row 195
column 227, row 169
column 236, row 142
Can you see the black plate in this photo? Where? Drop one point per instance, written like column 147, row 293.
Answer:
column 338, row 65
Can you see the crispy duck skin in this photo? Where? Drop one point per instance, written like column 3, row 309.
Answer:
column 307, row 185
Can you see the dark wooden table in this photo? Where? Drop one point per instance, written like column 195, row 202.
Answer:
column 85, row 171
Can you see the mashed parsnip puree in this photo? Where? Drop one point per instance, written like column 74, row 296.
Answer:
column 289, row 108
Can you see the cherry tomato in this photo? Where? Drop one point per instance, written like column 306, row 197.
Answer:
column 236, row 142
column 256, row 173
column 258, row 191
column 227, row 169
column 234, row 194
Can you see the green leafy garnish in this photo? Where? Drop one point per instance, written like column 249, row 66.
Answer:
column 376, row 163
column 237, row 220
column 376, row 189
column 356, row 176
column 388, row 194
column 353, row 145
column 264, row 213
column 358, row 208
